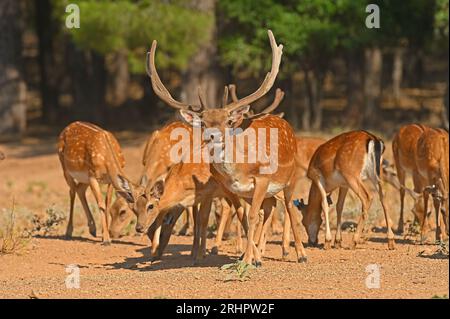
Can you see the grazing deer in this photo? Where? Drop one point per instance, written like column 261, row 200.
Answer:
column 345, row 162
column 306, row 146
column 432, row 162
column 91, row 156
column 251, row 181
column 404, row 147
column 187, row 184
column 156, row 163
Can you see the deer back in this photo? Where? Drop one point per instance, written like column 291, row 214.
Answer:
column 87, row 150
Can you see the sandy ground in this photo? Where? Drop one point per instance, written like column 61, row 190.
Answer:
column 31, row 177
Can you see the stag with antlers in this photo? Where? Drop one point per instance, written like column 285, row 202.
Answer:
column 253, row 181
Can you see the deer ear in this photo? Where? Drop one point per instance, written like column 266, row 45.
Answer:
column 191, row 118
column 237, row 115
column 125, row 189
column 157, row 189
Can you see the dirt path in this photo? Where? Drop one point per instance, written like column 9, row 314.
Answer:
column 35, row 182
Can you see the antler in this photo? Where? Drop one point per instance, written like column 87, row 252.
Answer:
column 277, row 51
column 159, row 87
column 279, row 95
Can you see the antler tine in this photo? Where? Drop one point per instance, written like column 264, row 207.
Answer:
column 225, row 96
column 232, row 89
column 201, row 97
column 157, row 85
column 279, row 95
column 277, row 51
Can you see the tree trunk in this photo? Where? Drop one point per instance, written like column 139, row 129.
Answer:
column 306, row 112
column 12, row 84
column 397, row 72
column 294, row 86
column 316, row 105
column 372, row 84
column 203, row 70
column 355, row 89
column 49, row 80
column 88, row 76
column 445, row 113
column 118, row 78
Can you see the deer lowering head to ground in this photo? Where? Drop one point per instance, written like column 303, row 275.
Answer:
column 156, row 163
column 253, row 180
column 91, row 156
column 432, row 162
column 347, row 161
column 404, row 147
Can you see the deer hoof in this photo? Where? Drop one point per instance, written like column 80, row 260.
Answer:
column 303, row 259
column 106, row 243
column 337, row 245
column 93, row 232
column 327, row 245
column 214, row 250
column 391, row 244
column 258, row 264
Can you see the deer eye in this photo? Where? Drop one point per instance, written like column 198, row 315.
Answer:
column 150, row 207
column 230, row 123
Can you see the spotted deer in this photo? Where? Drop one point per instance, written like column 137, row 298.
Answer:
column 432, row 163
column 189, row 184
column 404, row 147
column 347, row 161
column 156, row 163
column 254, row 181
column 91, row 156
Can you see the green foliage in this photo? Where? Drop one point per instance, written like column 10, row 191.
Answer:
column 237, row 271
column 441, row 16
column 107, row 26
column 312, row 32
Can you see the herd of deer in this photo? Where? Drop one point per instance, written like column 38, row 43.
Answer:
column 91, row 156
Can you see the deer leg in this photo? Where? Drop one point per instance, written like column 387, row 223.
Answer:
column 81, row 191
column 225, row 216
column 95, row 187
column 238, row 237
column 196, row 240
column 251, row 250
column 185, row 226
column 156, row 238
column 72, row 192
column 326, row 210
column 108, row 200
column 423, row 228
column 166, row 231
column 69, row 228
column 295, row 223
column 365, row 197
column 205, row 210
column 339, row 207
column 286, row 236
column 269, row 208
column 401, row 178
column 437, row 208
column 390, row 233
column 277, row 228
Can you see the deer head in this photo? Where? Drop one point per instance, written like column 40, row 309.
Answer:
column 231, row 114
